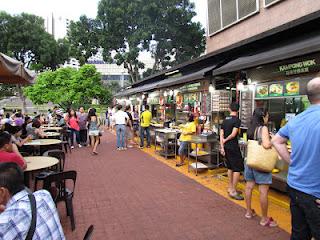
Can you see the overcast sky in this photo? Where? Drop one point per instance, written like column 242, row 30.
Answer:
column 72, row 9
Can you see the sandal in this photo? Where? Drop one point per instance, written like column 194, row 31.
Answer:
column 179, row 164
column 236, row 196
column 252, row 215
column 269, row 223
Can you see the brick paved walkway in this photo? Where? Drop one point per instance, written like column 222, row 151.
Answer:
column 130, row 195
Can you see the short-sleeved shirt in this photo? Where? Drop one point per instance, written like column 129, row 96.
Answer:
column 120, row 117
column 82, row 120
column 304, row 133
column 130, row 117
column 145, row 118
column 228, row 125
column 15, row 220
column 11, row 157
column 190, row 127
column 73, row 122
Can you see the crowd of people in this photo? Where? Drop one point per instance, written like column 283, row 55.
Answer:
column 303, row 175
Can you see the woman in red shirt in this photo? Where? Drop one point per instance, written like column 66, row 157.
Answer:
column 73, row 124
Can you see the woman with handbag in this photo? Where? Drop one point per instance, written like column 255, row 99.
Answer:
column 258, row 130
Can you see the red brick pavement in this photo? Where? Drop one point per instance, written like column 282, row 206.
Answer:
column 130, row 195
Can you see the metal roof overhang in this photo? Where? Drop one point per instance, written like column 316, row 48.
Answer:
column 290, row 49
column 169, row 82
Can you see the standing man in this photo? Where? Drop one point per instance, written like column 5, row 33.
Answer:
column 121, row 118
column 230, row 149
column 145, row 120
column 304, row 166
column 15, row 208
column 83, row 133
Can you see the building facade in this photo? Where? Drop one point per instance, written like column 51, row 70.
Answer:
column 233, row 21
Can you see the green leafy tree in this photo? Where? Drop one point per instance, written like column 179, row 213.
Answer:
column 24, row 38
column 83, row 38
column 162, row 27
column 69, row 87
column 122, row 30
column 175, row 38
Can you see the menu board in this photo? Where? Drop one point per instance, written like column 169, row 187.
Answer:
column 246, row 107
column 262, row 91
column 276, row 90
column 292, row 88
column 288, row 88
column 220, row 101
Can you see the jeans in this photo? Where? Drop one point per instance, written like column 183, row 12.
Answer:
column 83, row 136
column 305, row 215
column 121, row 135
column 142, row 129
column 72, row 133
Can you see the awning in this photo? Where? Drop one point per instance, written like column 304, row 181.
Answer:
column 13, row 71
column 294, row 48
column 168, row 82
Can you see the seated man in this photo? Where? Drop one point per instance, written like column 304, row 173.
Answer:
column 9, row 152
column 15, row 208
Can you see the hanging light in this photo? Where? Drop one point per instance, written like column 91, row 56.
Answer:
column 143, row 96
column 175, row 92
column 211, row 88
column 171, row 93
column 165, row 94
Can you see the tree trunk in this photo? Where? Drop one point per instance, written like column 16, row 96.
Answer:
column 22, row 98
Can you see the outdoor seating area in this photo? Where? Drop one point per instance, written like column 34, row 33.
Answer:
column 160, row 120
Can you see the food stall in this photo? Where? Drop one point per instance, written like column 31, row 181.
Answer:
column 281, row 88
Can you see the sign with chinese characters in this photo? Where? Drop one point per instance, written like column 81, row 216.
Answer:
column 298, row 67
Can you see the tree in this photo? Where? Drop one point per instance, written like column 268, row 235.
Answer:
column 162, row 27
column 24, row 38
column 175, row 38
column 122, row 30
column 69, row 87
column 83, row 38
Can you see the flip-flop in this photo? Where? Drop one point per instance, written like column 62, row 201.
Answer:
column 179, row 164
column 252, row 215
column 269, row 223
column 236, row 197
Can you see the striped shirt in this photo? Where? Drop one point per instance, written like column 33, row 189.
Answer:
column 16, row 219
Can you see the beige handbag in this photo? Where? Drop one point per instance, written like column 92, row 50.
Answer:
column 258, row 157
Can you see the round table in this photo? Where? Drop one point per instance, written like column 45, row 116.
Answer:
column 52, row 134
column 43, row 142
column 52, row 129
column 39, row 162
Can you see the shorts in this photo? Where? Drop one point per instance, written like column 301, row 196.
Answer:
column 183, row 149
column 94, row 132
column 260, row 178
column 234, row 159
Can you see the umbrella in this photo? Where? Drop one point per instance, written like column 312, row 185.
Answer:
column 13, row 71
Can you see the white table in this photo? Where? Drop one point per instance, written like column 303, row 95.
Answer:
column 39, row 162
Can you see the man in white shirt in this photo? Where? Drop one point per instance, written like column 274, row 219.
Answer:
column 121, row 118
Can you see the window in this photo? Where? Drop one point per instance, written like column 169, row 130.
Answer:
column 224, row 13
column 268, row 3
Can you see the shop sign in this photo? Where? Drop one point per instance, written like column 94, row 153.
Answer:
column 154, row 100
column 190, row 98
column 298, row 67
column 190, row 87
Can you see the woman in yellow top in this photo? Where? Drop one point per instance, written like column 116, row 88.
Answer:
column 188, row 130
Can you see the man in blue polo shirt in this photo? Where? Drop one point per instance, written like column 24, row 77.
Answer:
column 304, row 166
